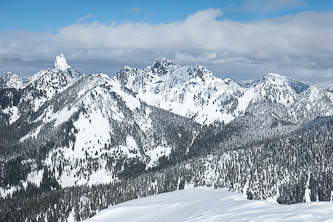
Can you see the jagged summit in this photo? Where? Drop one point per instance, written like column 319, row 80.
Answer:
column 190, row 91
column 164, row 70
column 60, row 69
column 163, row 66
column 11, row 80
column 163, row 63
column 51, row 81
column 61, row 63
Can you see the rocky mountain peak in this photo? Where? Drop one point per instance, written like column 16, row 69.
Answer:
column 200, row 72
column 60, row 63
column 11, row 80
column 163, row 66
column 163, row 63
column 61, row 71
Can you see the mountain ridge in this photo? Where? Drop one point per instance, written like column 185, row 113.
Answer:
column 194, row 92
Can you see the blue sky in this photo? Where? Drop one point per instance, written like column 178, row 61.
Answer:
column 241, row 39
column 47, row 15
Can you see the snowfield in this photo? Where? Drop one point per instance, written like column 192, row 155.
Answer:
column 207, row 204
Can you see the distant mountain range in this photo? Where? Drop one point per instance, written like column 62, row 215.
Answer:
column 79, row 143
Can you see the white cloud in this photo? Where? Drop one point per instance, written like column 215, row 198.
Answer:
column 84, row 18
column 300, row 45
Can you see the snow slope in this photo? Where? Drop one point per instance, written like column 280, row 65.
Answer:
column 207, row 204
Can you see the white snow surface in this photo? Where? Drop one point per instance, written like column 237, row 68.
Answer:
column 156, row 153
column 32, row 134
column 207, row 204
column 13, row 113
column 61, row 63
column 8, row 191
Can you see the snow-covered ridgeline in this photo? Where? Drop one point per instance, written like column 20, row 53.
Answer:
column 189, row 91
column 194, row 92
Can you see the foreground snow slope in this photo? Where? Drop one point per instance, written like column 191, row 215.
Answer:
column 207, row 204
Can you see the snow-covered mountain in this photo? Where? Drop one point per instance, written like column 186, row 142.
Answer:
column 194, row 92
column 22, row 99
column 43, row 85
column 96, row 119
column 91, row 129
column 300, row 101
column 207, row 204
